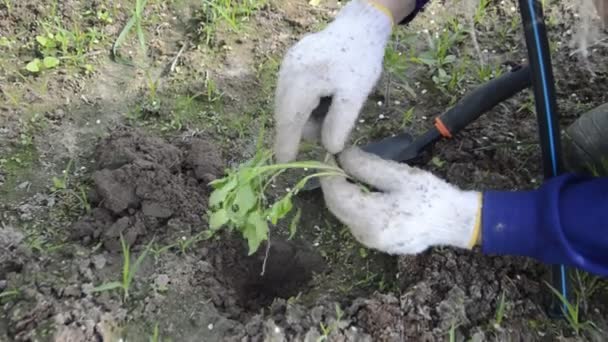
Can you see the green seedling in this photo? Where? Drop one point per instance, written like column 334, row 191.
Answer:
column 128, row 271
column 480, row 11
column 239, row 203
column 8, row 295
column 37, row 65
column 326, row 330
column 452, row 332
column 408, row 117
column 500, row 312
column 586, row 286
column 572, row 313
column 134, row 21
column 155, row 334
column 183, row 244
column 230, row 12
column 9, row 6
column 62, row 183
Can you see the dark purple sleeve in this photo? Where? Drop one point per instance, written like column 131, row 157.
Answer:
column 419, row 6
column 565, row 221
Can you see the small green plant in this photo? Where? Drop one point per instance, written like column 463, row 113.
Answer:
column 128, row 271
column 572, row 312
column 480, row 11
column 239, row 203
column 408, row 117
column 8, row 4
column 586, row 286
column 134, row 21
column 155, row 334
column 183, row 244
column 500, row 312
column 57, row 46
column 485, row 72
column 38, row 65
column 8, row 295
column 442, row 64
column 230, row 12
column 452, row 332
column 327, row 330
column 213, row 94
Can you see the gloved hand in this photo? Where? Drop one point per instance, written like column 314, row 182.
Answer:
column 344, row 61
column 414, row 209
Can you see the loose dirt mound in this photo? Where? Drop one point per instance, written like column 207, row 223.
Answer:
column 144, row 185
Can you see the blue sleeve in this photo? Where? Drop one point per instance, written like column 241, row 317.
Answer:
column 565, row 222
column 419, row 6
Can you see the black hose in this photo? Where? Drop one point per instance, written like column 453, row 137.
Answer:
column 546, row 111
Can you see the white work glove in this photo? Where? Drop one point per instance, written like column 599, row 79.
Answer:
column 344, row 61
column 414, row 209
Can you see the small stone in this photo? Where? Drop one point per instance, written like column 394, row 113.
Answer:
column 210, row 326
column 72, row 291
column 99, row 261
column 162, row 282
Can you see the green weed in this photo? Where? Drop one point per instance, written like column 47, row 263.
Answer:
column 326, row 330
column 408, row 117
column 572, row 313
column 134, row 21
column 440, row 60
column 480, row 11
column 586, row 286
column 128, row 271
column 8, row 4
column 58, row 45
column 500, row 312
column 485, row 72
column 229, row 12
column 63, row 185
column 452, row 332
column 183, row 244
column 7, row 295
column 212, row 92
column 155, row 334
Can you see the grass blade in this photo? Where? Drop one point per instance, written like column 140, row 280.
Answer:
column 126, row 262
column 123, row 35
column 107, row 286
column 141, row 37
column 138, row 262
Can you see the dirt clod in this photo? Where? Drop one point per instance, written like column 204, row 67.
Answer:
column 142, row 182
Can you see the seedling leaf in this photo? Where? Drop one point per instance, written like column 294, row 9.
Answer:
column 294, row 223
column 217, row 219
column 42, row 40
column 50, row 62
column 33, row 66
column 219, row 194
column 245, row 199
column 256, row 231
column 107, row 286
column 280, row 209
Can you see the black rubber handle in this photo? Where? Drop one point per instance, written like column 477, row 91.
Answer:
column 390, row 148
column 483, row 99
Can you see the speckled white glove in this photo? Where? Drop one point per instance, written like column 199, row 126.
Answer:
column 414, row 209
column 344, row 61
